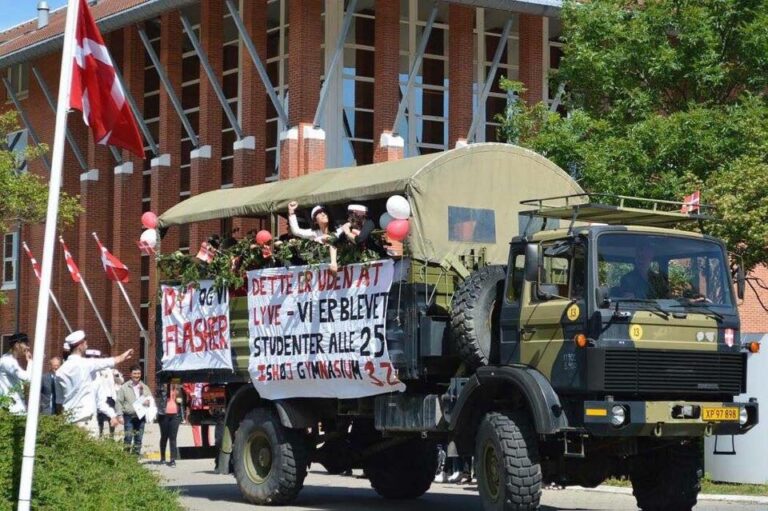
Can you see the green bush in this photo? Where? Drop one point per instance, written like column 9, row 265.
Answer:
column 75, row 472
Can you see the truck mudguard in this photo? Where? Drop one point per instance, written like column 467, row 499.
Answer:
column 497, row 382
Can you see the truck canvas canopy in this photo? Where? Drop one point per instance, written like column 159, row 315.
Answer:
column 461, row 199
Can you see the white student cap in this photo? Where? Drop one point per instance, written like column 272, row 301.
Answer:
column 317, row 209
column 357, row 208
column 75, row 338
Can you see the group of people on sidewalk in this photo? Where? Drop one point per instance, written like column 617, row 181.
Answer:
column 88, row 390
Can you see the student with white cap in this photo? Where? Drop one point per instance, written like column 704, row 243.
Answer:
column 12, row 376
column 75, row 379
column 359, row 228
column 322, row 228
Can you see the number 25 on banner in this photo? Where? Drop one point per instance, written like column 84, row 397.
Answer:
column 365, row 334
column 370, row 368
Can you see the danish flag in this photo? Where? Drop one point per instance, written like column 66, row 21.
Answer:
column 691, row 202
column 114, row 268
column 206, row 252
column 35, row 264
column 97, row 92
column 145, row 248
column 74, row 271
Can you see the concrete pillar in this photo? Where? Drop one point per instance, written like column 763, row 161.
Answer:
column 532, row 57
column 386, row 70
column 461, row 21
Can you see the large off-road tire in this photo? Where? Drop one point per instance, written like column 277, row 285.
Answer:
column 475, row 312
column 270, row 460
column 507, row 462
column 668, row 478
column 404, row 471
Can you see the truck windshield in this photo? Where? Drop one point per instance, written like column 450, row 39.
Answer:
column 636, row 266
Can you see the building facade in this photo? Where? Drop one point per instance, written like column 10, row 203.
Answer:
column 239, row 92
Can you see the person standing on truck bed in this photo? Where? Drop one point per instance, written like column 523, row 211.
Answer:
column 359, row 228
column 321, row 231
column 75, row 380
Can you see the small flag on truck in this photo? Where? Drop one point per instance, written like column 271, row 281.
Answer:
column 691, row 202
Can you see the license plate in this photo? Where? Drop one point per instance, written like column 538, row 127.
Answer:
column 720, row 414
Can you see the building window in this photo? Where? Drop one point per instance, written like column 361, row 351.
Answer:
column 277, row 70
column 425, row 125
column 17, row 144
column 488, row 29
column 357, row 88
column 18, row 76
column 190, row 101
column 231, row 88
column 10, row 249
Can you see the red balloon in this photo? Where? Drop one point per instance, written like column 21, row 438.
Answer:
column 398, row 229
column 149, row 220
column 263, row 237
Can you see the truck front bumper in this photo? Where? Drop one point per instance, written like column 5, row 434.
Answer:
column 669, row 418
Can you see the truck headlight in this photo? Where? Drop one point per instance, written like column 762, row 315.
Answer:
column 743, row 416
column 618, row 415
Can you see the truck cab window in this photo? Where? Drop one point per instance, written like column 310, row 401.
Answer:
column 515, row 277
column 563, row 270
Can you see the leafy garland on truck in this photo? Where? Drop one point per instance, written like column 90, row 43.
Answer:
column 229, row 266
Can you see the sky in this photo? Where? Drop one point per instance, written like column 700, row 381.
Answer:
column 13, row 12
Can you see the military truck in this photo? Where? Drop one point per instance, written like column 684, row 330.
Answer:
column 562, row 340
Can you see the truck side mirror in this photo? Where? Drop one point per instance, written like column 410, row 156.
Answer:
column 603, row 297
column 741, row 282
column 532, row 262
column 546, row 291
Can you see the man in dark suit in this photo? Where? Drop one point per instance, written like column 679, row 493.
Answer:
column 48, row 389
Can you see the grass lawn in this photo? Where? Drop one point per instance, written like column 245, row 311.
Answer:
column 713, row 487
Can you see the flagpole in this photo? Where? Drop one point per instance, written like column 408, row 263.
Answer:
column 54, row 301
column 49, row 245
column 90, row 299
column 144, row 334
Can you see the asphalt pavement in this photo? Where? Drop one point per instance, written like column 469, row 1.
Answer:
column 201, row 489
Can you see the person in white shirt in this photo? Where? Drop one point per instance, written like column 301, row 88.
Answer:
column 104, row 390
column 322, row 232
column 75, row 379
column 12, row 376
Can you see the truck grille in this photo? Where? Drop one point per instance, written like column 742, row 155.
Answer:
column 674, row 371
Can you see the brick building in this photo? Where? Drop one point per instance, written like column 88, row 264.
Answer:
column 333, row 91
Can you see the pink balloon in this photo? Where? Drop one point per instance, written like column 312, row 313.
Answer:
column 398, row 229
column 149, row 220
column 263, row 237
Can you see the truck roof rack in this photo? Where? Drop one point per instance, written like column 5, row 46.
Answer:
column 615, row 209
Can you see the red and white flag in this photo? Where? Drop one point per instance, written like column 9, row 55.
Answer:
column 206, row 252
column 115, row 269
column 35, row 264
column 97, row 92
column 691, row 202
column 74, row 271
column 145, row 248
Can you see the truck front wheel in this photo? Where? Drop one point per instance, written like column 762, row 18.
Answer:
column 668, row 477
column 270, row 460
column 507, row 461
column 404, row 471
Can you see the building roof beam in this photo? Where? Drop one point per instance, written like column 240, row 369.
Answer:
column 25, row 120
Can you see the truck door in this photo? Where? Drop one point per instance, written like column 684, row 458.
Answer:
column 509, row 351
column 554, row 312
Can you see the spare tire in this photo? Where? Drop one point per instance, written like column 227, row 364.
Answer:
column 475, row 315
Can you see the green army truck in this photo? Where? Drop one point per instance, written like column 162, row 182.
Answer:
column 562, row 340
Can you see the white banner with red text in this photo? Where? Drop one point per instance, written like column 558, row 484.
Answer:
column 196, row 332
column 314, row 333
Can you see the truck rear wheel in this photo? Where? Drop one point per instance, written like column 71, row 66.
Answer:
column 668, row 478
column 474, row 314
column 404, row 471
column 507, row 460
column 270, row 460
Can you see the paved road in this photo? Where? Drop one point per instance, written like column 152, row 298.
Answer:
column 203, row 490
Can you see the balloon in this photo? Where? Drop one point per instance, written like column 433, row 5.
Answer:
column 398, row 207
column 149, row 220
column 384, row 220
column 263, row 237
column 398, row 229
column 149, row 237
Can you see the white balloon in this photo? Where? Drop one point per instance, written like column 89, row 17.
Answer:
column 384, row 220
column 398, row 207
column 149, row 237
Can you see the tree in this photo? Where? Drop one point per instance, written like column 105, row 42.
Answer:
column 664, row 97
column 25, row 195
